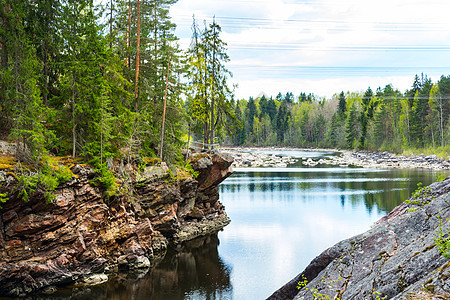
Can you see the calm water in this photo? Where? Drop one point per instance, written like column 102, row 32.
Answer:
column 280, row 220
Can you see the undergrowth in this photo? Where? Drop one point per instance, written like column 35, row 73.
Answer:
column 420, row 197
column 441, row 152
column 303, row 284
column 46, row 180
column 442, row 239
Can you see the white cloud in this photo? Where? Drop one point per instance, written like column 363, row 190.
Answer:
column 325, row 33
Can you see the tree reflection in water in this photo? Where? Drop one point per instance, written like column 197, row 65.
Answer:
column 191, row 271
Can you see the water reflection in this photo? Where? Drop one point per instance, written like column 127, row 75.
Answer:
column 191, row 271
column 283, row 218
column 374, row 187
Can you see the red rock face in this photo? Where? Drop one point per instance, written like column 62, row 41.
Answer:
column 81, row 233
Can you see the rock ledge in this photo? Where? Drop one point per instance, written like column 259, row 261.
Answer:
column 81, row 237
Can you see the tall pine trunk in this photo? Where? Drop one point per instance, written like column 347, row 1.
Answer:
column 213, row 83
column 156, row 51
column 136, row 81
column 129, row 36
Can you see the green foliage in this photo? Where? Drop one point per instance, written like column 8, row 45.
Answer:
column 442, row 239
column 188, row 167
column 316, row 295
column 106, row 180
column 420, row 197
column 342, row 102
column 302, row 284
column 71, row 86
column 421, row 192
column 46, row 180
column 440, row 176
column 209, row 95
column 351, row 128
column 3, row 198
column 27, row 185
column 385, row 120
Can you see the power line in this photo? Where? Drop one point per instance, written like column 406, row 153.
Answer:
column 302, row 47
column 278, row 23
column 270, row 71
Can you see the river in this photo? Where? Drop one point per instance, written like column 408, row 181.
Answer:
column 280, row 220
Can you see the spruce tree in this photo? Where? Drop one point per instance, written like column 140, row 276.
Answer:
column 250, row 113
column 19, row 84
column 365, row 115
column 342, row 103
column 282, row 121
column 351, row 127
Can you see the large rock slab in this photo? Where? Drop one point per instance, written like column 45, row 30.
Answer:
column 398, row 258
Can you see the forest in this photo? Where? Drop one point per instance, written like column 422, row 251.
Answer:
column 416, row 120
column 101, row 82
column 109, row 82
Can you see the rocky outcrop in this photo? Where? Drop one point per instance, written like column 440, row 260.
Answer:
column 81, row 236
column 399, row 258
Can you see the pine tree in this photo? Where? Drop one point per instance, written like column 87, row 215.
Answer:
column 419, row 113
column 263, row 103
column 271, row 109
column 351, row 127
column 342, row 103
column 250, row 114
column 289, row 98
column 282, row 121
column 365, row 115
column 443, row 106
column 209, row 88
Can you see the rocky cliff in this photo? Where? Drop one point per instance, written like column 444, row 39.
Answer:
column 399, row 258
column 81, row 236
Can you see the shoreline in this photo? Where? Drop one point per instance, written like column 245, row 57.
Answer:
column 254, row 157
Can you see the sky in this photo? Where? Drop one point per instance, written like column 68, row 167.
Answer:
column 324, row 46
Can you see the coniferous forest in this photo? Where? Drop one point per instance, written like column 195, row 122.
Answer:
column 386, row 119
column 108, row 82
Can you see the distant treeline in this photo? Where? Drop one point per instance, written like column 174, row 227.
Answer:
column 385, row 119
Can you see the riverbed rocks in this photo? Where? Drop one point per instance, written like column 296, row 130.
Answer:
column 401, row 257
column 385, row 160
column 82, row 236
column 254, row 157
column 257, row 159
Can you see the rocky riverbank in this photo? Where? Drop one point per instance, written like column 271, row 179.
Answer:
column 252, row 157
column 384, row 160
column 259, row 157
column 81, row 237
column 399, row 258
